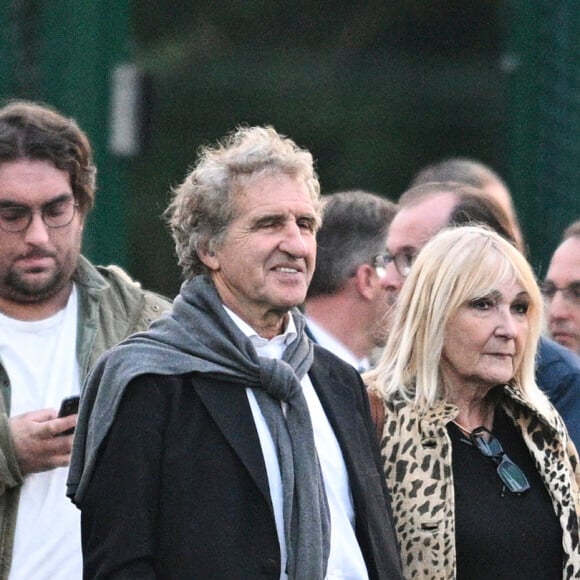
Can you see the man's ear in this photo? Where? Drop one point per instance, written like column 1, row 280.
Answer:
column 366, row 280
column 209, row 258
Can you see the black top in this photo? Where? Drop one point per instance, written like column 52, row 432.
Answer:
column 500, row 534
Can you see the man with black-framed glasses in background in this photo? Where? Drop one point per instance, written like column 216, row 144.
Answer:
column 58, row 313
column 347, row 304
column 561, row 290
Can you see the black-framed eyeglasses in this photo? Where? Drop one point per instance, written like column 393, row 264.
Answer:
column 511, row 475
column 55, row 214
column 571, row 293
column 403, row 261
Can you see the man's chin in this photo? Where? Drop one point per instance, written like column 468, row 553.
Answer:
column 36, row 288
column 569, row 343
column 567, row 340
column 289, row 300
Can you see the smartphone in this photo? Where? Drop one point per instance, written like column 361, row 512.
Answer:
column 69, row 406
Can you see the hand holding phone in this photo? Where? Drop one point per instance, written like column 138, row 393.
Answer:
column 69, row 406
column 37, row 441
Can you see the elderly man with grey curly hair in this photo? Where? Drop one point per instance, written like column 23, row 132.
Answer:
column 222, row 443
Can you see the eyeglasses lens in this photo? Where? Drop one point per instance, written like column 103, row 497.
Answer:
column 489, row 446
column 57, row 214
column 403, row 261
column 571, row 292
column 511, row 475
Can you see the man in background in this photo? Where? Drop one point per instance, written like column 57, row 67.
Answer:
column 58, row 313
column 478, row 175
column 347, row 303
column 561, row 290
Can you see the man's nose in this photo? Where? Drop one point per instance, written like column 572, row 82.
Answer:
column 558, row 306
column 37, row 230
column 293, row 242
column 392, row 280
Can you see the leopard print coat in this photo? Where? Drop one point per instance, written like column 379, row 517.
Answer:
column 416, row 451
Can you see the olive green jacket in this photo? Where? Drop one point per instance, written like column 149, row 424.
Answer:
column 111, row 307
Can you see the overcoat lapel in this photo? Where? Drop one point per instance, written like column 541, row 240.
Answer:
column 340, row 405
column 230, row 409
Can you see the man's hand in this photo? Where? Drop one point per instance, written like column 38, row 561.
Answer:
column 35, row 438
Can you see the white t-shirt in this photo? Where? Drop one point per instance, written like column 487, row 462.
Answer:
column 40, row 359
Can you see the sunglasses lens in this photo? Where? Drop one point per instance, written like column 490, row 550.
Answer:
column 488, row 445
column 513, row 477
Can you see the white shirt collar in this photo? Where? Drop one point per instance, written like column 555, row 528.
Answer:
column 331, row 343
column 270, row 348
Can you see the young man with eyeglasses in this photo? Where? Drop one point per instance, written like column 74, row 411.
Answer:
column 561, row 290
column 347, row 302
column 58, row 314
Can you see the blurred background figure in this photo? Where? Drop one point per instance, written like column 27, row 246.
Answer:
column 481, row 209
column 423, row 211
column 561, row 290
column 347, row 300
column 483, row 475
column 479, row 175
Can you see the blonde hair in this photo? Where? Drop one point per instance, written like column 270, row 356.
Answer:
column 456, row 266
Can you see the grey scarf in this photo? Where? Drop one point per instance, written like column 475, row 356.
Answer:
column 199, row 336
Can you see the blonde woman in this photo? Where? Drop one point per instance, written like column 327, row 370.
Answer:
column 483, row 477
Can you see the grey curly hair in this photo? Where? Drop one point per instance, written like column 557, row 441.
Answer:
column 203, row 206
